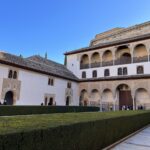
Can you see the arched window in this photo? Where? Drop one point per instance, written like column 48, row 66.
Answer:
column 69, row 85
column 10, row 74
column 125, row 71
column 49, row 81
column 94, row 74
column 106, row 72
column 84, row 62
column 119, row 71
column 50, row 101
column 83, row 74
column 52, row 82
column 15, row 75
column 140, row 70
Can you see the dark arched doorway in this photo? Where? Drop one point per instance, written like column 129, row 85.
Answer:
column 125, row 98
column 9, row 98
column 83, row 98
column 68, row 101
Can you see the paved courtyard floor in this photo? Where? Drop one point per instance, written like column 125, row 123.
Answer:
column 140, row 141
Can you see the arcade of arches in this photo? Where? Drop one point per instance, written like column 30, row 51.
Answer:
column 115, row 95
column 121, row 55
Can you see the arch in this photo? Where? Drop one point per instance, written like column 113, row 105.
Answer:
column 120, row 71
column 10, row 74
column 15, row 75
column 83, row 98
column 9, row 98
column 123, row 55
column 123, row 92
column 69, row 85
column 125, row 71
column 106, row 73
column 107, row 100
column 95, row 95
column 95, row 60
column 84, row 62
column 107, row 58
column 51, row 101
column 140, row 53
column 142, row 99
column 83, row 74
column 95, row 98
column 94, row 73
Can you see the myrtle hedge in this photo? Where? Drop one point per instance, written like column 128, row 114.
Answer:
column 89, row 135
column 27, row 110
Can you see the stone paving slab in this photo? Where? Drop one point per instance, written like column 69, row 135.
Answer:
column 140, row 141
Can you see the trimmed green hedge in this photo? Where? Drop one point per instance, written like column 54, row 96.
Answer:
column 27, row 110
column 80, row 131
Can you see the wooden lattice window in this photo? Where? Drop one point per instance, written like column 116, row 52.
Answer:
column 106, row 72
column 94, row 74
column 119, row 71
column 83, row 74
column 125, row 71
column 140, row 70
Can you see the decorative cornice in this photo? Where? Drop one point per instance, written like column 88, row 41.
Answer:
column 109, row 44
column 131, row 77
column 125, row 30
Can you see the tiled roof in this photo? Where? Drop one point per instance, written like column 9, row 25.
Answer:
column 38, row 64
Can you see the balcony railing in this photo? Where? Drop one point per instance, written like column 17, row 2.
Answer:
column 123, row 61
column 116, row 62
column 108, row 63
column 84, row 66
column 95, row 65
column 140, row 59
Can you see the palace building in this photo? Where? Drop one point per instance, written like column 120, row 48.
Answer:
column 36, row 80
column 113, row 72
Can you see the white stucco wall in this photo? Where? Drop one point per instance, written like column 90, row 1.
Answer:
column 132, row 70
column 34, row 86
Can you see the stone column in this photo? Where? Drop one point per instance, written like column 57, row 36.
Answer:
column 131, row 47
column 100, row 104
column 89, row 55
column 133, row 98
column 115, row 100
column 100, row 55
column 113, row 54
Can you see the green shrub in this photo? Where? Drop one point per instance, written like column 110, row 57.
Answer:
column 95, row 133
column 26, row 110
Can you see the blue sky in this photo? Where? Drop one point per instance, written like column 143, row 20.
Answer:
column 31, row 27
